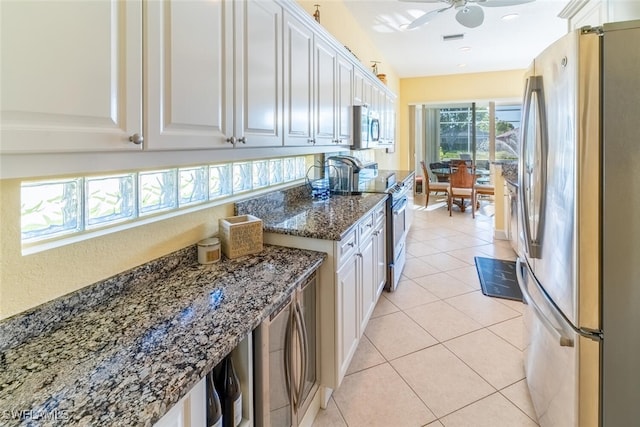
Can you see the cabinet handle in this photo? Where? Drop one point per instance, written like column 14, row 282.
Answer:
column 243, row 140
column 136, row 138
column 311, row 141
column 352, row 244
column 232, row 140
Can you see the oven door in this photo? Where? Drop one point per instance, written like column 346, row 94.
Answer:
column 399, row 213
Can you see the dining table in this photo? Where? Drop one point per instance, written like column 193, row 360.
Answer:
column 482, row 175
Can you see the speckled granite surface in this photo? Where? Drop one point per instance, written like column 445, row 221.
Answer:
column 293, row 212
column 510, row 172
column 125, row 350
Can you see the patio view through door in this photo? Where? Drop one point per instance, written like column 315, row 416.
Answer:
column 481, row 132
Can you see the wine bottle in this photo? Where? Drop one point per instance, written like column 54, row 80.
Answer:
column 214, row 408
column 230, row 393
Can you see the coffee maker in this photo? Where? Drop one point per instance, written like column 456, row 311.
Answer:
column 345, row 173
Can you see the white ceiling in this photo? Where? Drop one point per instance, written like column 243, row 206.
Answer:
column 495, row 45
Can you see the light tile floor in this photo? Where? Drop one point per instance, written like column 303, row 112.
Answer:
column 437, row 352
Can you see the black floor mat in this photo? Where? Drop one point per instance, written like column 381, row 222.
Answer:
column 498, row 278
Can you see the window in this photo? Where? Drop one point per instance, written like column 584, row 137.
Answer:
column 55, row 209
column 456, row 130
column 508, row 131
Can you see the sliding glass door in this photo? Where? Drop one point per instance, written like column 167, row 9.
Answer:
column 482, row 132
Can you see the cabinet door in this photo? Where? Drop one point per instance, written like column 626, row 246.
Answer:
column 344, row 98
column 375, row 103
column 185, row 78
column 390, row 121
column 366, row 91
column 347, row 308
column 324, row 93
column 358, row 87
column 368, row 281
column 71, row 75
column 298, row 82
column 258, row 61
column 380, row 257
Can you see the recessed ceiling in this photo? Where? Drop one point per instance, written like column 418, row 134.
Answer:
column 497, row 44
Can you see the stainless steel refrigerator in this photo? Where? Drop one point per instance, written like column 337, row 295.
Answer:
column 579, row 215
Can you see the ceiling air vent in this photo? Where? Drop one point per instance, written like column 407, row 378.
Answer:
column 452, row 37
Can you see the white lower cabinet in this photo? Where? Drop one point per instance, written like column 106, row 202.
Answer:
column 380, row 250
column 358, row 284
column 351, row 280
column 347, row 321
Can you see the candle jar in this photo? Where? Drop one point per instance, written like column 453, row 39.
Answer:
column 209, row 250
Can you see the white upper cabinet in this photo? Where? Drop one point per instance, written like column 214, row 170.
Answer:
column 79, row 77
column 387, row 119
column 333, row 95
column 326, row 59
column 258, row 118
column 358, row 87
column 214, row 74
column 71, row 75
column 298, row 82
column 186, row 79
column 344, row 101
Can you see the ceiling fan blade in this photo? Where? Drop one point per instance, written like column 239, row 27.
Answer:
column 501, row 3
column 470, row 16
column 421, row 20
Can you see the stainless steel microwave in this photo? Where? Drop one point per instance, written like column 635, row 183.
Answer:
column 366, row 128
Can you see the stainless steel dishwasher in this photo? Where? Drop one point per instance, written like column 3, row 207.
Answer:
column 285, row 346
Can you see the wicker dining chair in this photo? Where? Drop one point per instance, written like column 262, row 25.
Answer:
column 462, row 187
column 431, row 186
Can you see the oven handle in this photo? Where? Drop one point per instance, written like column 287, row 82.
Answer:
column 403, row 205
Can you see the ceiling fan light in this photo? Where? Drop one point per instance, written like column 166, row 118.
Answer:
column 470, row 16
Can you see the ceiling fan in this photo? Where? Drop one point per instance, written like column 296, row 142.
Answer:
column 469, row 14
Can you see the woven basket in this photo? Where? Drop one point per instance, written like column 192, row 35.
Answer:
column 240, row 235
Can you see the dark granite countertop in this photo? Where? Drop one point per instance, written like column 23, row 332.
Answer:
column 293, row 212
column 123, row 351
column 510, row 172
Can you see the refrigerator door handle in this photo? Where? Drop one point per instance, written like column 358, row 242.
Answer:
column 558, row 333
column 533, row 160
